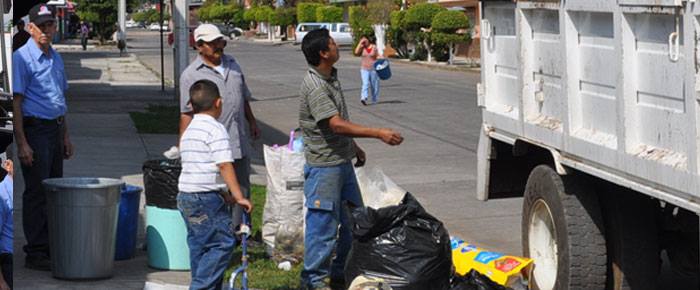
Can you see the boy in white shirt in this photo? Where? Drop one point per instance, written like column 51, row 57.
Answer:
column 206, row 159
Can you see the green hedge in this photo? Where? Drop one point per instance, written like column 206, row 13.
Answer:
column 421, row 15
column 329, row 14
column 450, row 21
column 263, row 14
column 360, row 24
column 306, row 12
column 283, row 16
column 449, row 38
column 249, row 14
column 398, row 19
column 221, row 13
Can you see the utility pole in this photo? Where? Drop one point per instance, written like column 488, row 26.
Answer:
column 121, row 35
column 181, row 13
column 5, row 73
column 162, row 60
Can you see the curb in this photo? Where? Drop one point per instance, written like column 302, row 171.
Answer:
column 163, row 286
column 266, row 41
column 441, row 66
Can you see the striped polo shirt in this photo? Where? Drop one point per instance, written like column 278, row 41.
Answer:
column 204, row 145
column 322, row 98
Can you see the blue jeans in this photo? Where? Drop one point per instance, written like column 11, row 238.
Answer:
column 46, row 139
column 325, row 189
column 370, row 78
column 209, row 236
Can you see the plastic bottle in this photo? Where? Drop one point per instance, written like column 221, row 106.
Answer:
column 298, row 145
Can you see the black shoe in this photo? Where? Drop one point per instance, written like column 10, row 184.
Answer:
column 364, row 103
column 37, row 263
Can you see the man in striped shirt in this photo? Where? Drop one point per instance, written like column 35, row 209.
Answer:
column 329, row 149
column 206, row 160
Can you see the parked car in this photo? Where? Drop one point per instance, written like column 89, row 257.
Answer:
column 229, row 30
column 156, row 27
column 131, row 24
column 341, row 32
column 171, row 38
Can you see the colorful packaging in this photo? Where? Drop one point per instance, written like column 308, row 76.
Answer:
column 502, row 269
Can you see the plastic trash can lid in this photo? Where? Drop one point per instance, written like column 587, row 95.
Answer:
column 82, row 182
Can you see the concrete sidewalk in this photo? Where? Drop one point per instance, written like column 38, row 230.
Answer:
column 104, row 87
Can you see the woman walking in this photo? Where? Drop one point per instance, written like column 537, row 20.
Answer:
column 84, row 34
column 367, row 48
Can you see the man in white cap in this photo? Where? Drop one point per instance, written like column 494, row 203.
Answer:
column 212, row 64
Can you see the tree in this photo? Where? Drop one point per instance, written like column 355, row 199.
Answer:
column 360, row 24
column 283, row 17
column 221, row 13
column 418, row 21
column 263, row 15
column 378, row 13
column 449, row 28
column 306, row 12
column 101, row 13
column 397, row 33
column 141, row 16
column 249, row 15
column 329, row 14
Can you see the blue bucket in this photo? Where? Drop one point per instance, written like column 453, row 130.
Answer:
column 383, row 69
column 127, row 223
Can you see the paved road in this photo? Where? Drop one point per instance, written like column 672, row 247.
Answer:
column 434, row 109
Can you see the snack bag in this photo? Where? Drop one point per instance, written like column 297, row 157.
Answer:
column 502, row 269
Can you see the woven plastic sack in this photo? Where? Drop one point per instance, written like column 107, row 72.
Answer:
column 285, row 193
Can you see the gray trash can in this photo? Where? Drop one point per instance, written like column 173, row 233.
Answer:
column 82, row 214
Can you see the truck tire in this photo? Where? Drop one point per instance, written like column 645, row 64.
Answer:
column 562, row 230
column 632, row 236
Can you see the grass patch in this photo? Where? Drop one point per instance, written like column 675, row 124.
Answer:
column 158, row 119
column 262, row 271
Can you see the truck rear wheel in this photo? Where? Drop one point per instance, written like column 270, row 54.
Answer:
column 631, row 220
column 562, row 230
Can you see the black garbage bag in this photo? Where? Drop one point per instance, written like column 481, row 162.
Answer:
column 475, row 281
column 160, row 182
column 402, row 244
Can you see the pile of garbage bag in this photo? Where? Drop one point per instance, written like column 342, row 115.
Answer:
column 402, row 244
column 160, row 177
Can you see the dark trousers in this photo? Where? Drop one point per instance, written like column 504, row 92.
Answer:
column 46, row 140
column 242, row 169
column 6, row 264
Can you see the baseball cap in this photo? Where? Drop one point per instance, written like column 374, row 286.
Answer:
column 41, row 13
column 207, row 33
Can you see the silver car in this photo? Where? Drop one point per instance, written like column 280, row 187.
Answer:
column 341, row 32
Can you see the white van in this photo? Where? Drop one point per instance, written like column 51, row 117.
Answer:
column 341, row 32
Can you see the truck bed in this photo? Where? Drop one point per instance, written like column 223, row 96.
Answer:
column 610, row 87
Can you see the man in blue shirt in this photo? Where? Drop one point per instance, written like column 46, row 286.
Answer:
column 39, row 106
column 6, row 225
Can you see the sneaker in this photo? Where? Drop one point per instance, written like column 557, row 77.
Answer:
column 37, row 263
column 364, row 103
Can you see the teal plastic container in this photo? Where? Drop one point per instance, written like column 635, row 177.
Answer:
column 166, row 239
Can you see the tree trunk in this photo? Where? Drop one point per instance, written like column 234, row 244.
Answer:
column 451, row 60
column 427, row 47
column 380, row 35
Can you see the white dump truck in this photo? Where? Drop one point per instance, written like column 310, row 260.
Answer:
column 591, row 111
